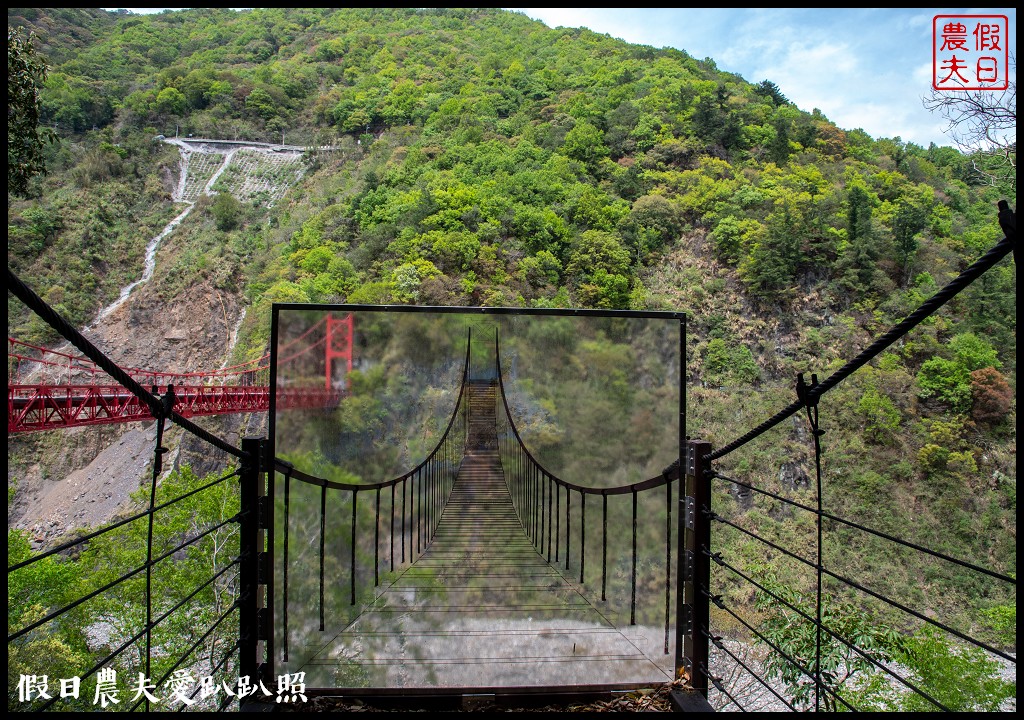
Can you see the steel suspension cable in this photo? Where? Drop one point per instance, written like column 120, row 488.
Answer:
column 863, row 528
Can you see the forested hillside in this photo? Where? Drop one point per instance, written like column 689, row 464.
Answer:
column 477, row 157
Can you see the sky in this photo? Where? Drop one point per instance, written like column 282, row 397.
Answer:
column 863, row 68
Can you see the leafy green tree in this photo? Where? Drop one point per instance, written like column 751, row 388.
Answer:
column 171, row 101
column 858, row 266
column 714, row 122
column 55, row 648
column 284, row 291
column 59, row 648
column 858, row 214
column 716, row 361
column 226, row 210
column 260, row 102
column 771, row 266
column 454, row 251
column 407, row 278
column 1003, row 619
column 540, row 269
column 768, row 89
column 603, row 289
column 402, row 103
column 778, row 148
column 657, row 222
column 119, row 551
column 910, row 220
column 974, row 352
column 585, row 143
column 596, row 250
column 744, row 371
column 734, row 237
column 44, row 222
column 648, row 132
column 787, row 627
column 963, row 678
column 895, row 148
column 74, row 103
column 317, row 260
column 933, row 458
column 620, row 122
column 26, row 73
column 729, row 364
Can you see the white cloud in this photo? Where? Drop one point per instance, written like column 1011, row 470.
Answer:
column 814, row 65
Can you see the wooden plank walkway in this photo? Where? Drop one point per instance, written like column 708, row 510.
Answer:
column 481, row 608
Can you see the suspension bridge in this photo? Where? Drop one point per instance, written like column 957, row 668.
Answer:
column 49, row 389
column 478, row 569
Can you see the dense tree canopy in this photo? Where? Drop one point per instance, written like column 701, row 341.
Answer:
column 26, row 73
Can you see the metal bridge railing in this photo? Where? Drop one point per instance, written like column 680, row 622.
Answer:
column 134, row 615
column 62, row 368
column 813, row 607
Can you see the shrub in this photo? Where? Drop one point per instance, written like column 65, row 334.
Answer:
column 933, row 457
column 729, row 364
column 881, row 417
column 947, row 381
column 227, row 211
column 961, row 677
column 962, row 463
column 716, row 361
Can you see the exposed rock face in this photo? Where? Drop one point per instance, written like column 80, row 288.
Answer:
column 744, row 496
column 793, row 476
column 83, row 476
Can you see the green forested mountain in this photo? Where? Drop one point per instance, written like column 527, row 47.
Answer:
column 487, row 159
column 477, row 157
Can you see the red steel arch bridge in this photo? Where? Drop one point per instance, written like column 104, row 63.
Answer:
column 50, row 389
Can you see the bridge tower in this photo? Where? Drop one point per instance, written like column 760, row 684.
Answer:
column 338, row 346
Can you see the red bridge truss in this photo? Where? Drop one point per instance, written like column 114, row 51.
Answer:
column 59, row 390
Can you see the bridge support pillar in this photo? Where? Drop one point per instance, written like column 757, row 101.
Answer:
column 338, row 346
column 694, row 619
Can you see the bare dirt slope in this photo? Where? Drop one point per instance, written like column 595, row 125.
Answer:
column 49, row 506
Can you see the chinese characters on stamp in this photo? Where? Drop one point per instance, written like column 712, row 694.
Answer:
column 970, row 52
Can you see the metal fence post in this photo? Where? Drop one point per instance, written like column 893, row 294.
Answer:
column 253, row 565
column 696, row 564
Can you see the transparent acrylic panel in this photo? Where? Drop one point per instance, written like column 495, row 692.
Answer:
column 596, row 399
column 429, row 559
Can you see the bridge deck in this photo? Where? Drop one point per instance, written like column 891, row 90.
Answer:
column 482, row 608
